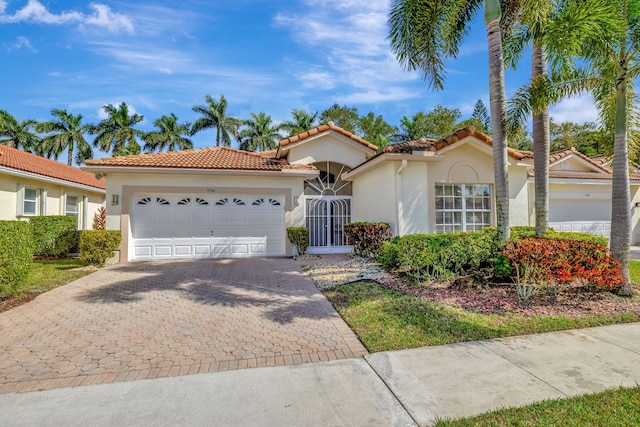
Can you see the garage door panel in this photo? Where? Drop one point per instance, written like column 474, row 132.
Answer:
column 183, row 250
column 163, row 250
column 178, row 227
column 580, row 215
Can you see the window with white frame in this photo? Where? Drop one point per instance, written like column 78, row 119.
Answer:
column 463, row 207
column 71, row 206
column 29, row 201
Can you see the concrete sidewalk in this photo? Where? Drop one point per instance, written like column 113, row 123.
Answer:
column 398, row 388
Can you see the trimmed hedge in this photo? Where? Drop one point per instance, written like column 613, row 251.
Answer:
column 16, row 254
column 96, row 246
column 367, row 237
column 54, row 236
column 432, row 256
column 299, row 237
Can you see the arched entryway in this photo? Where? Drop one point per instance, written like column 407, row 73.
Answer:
column 328, row 208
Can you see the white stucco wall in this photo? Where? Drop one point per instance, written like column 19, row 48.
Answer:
column 416, row 190
column 329, row 147
column 374, row 195
column 54, row 198
column 519, row 208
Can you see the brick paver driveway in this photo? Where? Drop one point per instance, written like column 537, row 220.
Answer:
column 158, row 319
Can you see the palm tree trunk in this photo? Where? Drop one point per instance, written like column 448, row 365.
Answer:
column 541, row 144
column 620, row 192
column 217, row 136
column 70, row 154
column 497, row 100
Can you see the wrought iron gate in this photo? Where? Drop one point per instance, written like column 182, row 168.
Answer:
column 326, row 217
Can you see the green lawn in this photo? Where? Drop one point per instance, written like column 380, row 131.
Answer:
column 620, row 407
column 49, row 274
column 634, row 272
column 388, row 320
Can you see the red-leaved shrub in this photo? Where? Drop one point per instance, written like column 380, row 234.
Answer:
column 367, row 237
column 566, row 260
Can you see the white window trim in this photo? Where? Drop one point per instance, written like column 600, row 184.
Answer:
column 77, row 212
column 21, row 200
column 463, row 209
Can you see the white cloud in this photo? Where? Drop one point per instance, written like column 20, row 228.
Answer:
column 103, row 17
column 350, row 41
column 577, row 109
column 36, row 12
column 20, row 43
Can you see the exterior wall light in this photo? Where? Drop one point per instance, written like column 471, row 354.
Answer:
column 114, row 199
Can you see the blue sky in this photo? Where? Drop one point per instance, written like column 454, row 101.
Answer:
column 263, row 55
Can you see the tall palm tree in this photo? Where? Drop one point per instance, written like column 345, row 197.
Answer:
column 301, row 122
column 214, row 115
column 530, row 29
column 424, row 34
column 117, row 132
column 65, row 134
column 259, row 133
column 605, row 38
column 169, row 136
column 17, row 133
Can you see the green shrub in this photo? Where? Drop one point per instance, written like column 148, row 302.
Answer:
column 432, row 256
column 367, row 237
column 16, row 254
column 96, row 246
column 299, row 237
column 585, row 237
column 388, row 255
column 54, row 236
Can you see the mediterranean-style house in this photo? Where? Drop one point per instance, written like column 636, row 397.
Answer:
column 222, row 202
column 31, row 185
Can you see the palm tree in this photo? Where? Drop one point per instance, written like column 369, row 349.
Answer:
column 301, row 122
column 530, row 28
column 214, row 115
column 259, row 133
column 17, row 133
column 65, row 134
column 116, row 132
column 425, row 34
column 169, row 136
column 604, row 36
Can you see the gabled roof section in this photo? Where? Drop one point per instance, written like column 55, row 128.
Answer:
column 597, row 165
column 330, row 126
column 26, row 162
column 428, row 144
column 221, row 158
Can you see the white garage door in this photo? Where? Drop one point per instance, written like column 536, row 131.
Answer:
column 205, row 226
column 581, row 215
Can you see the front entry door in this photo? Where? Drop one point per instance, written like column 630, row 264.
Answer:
column 326, row 217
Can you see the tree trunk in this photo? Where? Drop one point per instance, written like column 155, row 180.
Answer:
column 541, row 143
column 217, row 136
column 70, row 154
column 497, row 99
column 620, row 192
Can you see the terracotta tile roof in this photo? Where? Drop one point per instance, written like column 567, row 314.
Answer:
column 203, row 158
column 324, row 128
column 427, row 144
column 27, row 162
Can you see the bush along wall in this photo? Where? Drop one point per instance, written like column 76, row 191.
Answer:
column 54, row 236
column 16, row 255
column 367, row 237
column 96, row 246
column 299, row 237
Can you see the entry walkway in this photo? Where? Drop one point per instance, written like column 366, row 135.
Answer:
column 398, row 388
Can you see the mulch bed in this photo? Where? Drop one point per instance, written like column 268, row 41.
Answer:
column 501, row 298
column 11, row 302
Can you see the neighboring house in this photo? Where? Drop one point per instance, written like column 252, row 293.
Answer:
column 31, row 185
column 221, row 202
